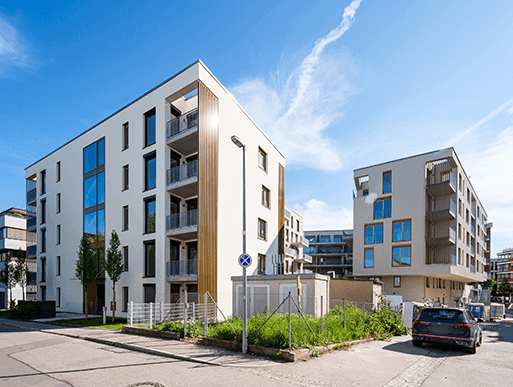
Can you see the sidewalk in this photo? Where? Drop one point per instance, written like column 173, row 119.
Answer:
column 168, row 348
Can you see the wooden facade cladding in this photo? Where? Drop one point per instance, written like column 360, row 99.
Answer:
column 281, row 209
column 208, row 105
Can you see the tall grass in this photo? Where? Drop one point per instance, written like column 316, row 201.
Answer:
column 275, row 333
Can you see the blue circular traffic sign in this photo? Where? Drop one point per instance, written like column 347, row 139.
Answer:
column 244, row 260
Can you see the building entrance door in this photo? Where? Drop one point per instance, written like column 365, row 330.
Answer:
column 100, row 298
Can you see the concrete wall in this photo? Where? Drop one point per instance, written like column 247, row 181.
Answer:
column 355, row 290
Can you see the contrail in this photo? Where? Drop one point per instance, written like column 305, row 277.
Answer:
column 479, row 123
column 308, row 64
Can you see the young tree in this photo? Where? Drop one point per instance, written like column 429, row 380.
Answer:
column 113, row 265
column 9, row 276
column 503, row 287
column 86, row 270
column 22, row 271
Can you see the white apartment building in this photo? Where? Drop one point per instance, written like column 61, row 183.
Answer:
column 13, row 225
column 419, row 227
column 164, row 173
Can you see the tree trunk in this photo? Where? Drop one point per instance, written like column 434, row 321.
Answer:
column 86, row 304
column 113, row 302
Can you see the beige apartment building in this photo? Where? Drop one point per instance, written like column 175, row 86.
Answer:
column 420, row 228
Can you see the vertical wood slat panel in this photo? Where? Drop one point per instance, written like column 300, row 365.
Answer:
column 281, row 209
column 208, row 190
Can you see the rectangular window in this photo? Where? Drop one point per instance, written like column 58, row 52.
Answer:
column 58, row 301
column 324, row 239
column 460, row 207
column 337, row 238
column 43, row 240
column 149, row 293
column 149, row 128
column 374, row 233
column 369, row 258
column 468, row 195
column 149, row 259
column 460, row 183
column 125, row 218
column 58, row 266
column 58, row 236
column 149, row 215
column 125, row 299
column 427, row 282
column 94, row 190
column 265, row 197
column 286, row 235
column 262, row 159
column 397, row 282
column 43, row 211
column 125, row 136
column 297, row 225
column 94, row 156
column 401, row 256
column 387, row 182
column 43, row 293
column 261, row 264
column 383, row 208
column 150, row 171
column 402, row 231
column 125, row 178
column 43, row 269
column 467, row 216
column 262, row 226
column 58, row 203
column 58, row 171
column 43, row 182
column 125, row 258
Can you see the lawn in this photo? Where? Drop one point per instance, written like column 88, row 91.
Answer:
column 93, row 322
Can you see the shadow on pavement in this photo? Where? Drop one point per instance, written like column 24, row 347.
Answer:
column 407, row 347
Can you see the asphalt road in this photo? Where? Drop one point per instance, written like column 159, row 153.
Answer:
column 29, row 358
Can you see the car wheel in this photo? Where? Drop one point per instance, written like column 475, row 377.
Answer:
column 417, row 343
column 472, row 349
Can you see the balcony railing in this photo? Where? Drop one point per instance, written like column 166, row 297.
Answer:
column 472, row 269
column 443, row 214
column 31, row 195
column 443, row 236
column 31, row 222
column 182, row 123
column 472, row 250
column 443, row 188
column 473, row 210
column 182, row 172
column 182, row 220
column 442, row 259
column 183, row 268
column 32, row 251
column 473, row 230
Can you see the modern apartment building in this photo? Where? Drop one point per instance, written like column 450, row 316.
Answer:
column 419, row 227
column 13, row 238
column 502, row 266
column 331, row 251
column 164, row 172
column 294, row 258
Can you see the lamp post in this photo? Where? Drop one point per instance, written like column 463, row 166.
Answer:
column 239, row 143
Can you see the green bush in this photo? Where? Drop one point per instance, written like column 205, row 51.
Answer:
column 24, row 310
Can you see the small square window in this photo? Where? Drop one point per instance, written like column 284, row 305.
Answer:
column 262, row 159
column 401, row 231
column 374, row 233
column 262, row 229
column 401, row 256
column 397, row 282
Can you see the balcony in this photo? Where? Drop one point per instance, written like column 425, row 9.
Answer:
column 183, row 226
column 301, row 242
column 304, row 259
column 31, row 223
column 444, row 213
column 186, row 269
column 31, row 197
column 472, row 250
column 182, row 132
column 444, row 188
column 472, row 268
column 473, row 230
column 290, row 252
column 183, row 179
column 473, row 210
column 31, row 251
column 442, row 237
column 442, row 259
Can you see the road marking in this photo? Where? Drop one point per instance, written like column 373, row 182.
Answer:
column 417, row 373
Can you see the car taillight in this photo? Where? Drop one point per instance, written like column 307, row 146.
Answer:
column 464, row 326
column 419, row 322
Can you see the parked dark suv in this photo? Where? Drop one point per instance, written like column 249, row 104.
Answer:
column 447, row 326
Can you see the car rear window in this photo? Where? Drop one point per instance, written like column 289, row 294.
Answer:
column 442, row 315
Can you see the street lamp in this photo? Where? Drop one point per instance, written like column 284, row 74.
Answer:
column 239, row 143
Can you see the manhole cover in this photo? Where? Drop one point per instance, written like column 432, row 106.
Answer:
column 146, row 384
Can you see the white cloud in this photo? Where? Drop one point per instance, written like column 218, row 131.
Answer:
column 318, row 215
column 296, row 112
column 12, row 52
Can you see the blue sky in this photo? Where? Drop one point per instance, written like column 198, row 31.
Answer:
column 335, row 91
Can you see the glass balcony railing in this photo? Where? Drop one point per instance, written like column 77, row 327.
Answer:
column 473, row 230
column 472, row 250
column 32, row 251
column 31, row 222
column 182, row 172
column 452, row 233
column 472, row 269
column 473, row 210
column 182, row 123
column 186, row 267
column 31, row 195
column 182, row 220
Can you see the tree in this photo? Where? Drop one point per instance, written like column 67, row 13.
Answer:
column 86, row 270
column 503, row 287
column 8, row 276
column 113, row 265
column 21, row 271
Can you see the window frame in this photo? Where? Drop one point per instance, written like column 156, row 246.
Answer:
column 260, row 235
column 147, row 158
column 401, row 247
column 365, row 258
column 402, row 221
column 150, row 113
column 262, row 156
column 147, row 201
column 125, row 225
column 387, row 173
column 262, row 258
column 125, row 136
column 58, row 234
column 58, row 203
column 57, row 171
column 126, row 257
column 126, row 178
column 43, row 240
column 43, row 182
column 58, row 265
column 58, row 301
column 124, row 300
column 43, row 211
column 147, row 263
column 383, row 201
column 397, row 278
column 266, row 197
column 373, row 226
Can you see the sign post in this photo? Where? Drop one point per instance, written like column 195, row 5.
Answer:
column 244, row 261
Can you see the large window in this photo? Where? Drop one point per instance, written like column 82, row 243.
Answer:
column 369, row 258
column 149, row 259
column 262, row 229
column 402, row 231
column 94, row 223
column 94, row 156
column 149, row 128
column 149, row 293
column 149, row 214
column 374, row 233
column 324, row 239
column 383, row 208
column 150, row 170
column 401, row 256
column 387, row 182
